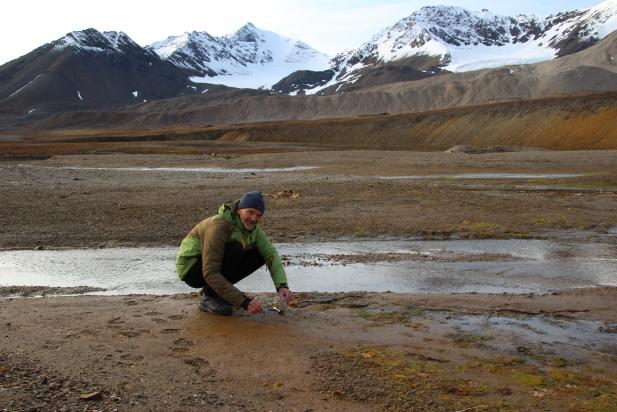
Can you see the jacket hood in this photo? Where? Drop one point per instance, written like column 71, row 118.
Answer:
column 229, row 212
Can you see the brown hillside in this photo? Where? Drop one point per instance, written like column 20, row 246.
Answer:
column 565, row 124
column 581, row 122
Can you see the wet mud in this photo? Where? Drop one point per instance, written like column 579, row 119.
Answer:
column 350, row 351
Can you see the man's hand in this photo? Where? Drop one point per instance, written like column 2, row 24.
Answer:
column 286, row 294
column 254, row 307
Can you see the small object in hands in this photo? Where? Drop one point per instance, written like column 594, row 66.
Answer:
column 279, row 304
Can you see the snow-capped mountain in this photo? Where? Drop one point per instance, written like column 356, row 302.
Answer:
column 91, row 40
column 88, row 69
column 569, row 32
column 452, row 34
column 250, row 57
column 437, row 38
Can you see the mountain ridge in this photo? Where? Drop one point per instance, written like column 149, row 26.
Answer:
column 92, row 70
column 233, row 58
column 589, row 71
column 456, row 39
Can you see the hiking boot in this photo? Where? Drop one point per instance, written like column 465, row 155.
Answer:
column 214, row 305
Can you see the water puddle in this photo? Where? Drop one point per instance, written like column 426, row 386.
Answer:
column 518, row 176
column 187, row 169
column 483, row 266
column 526, row 332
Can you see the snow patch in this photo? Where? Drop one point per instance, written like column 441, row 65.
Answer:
column 606, row 14
column 24, row 86
column 317, row 89
column 482, row 57
column 167, row 47
column 607, row 27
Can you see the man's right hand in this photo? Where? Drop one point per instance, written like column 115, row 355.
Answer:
column 254, row 307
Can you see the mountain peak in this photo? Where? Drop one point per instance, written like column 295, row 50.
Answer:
column 248, row 33
column 93, row 40
column 437, row 38
column 249, row 57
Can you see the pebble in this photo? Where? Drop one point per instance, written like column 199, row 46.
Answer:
column 91, row 396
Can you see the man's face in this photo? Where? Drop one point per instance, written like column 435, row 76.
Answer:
column 249, row 217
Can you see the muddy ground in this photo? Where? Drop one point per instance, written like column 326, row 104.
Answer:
column 329, row 352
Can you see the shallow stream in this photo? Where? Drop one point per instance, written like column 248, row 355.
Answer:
column 483, row 266
column 515, row 176
column 188, row 169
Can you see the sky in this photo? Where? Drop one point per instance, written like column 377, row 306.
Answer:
column 329, row 26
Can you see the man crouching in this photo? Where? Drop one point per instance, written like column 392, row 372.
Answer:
column 224, row 249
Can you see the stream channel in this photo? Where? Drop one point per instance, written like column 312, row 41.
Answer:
column 406, row 266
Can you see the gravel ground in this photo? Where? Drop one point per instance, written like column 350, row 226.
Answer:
column 46, row 205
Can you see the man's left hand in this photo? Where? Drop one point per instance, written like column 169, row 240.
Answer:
column 286, row 294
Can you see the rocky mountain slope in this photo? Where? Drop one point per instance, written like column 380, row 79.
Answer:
column 250, row 57
column 86, row 70
column 594, row 70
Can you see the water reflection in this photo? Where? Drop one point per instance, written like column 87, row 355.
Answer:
column 190, row 169
column 486, row 176
column 487, row 266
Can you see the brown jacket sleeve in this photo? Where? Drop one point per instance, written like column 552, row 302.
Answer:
column 213, row 238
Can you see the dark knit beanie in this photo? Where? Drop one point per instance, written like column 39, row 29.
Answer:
column 252, row 200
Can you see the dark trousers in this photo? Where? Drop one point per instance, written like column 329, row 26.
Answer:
column 237, row 264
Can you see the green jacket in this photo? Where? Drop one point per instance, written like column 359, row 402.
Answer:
column 208, row 238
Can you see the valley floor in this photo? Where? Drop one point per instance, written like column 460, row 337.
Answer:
column 102, row 199
column 360, row 351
